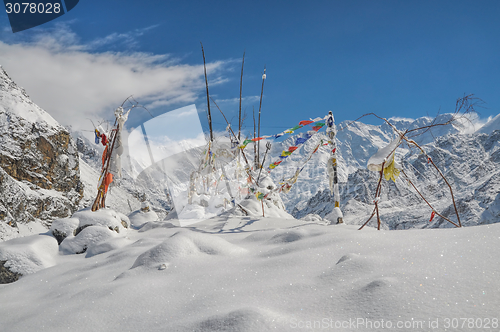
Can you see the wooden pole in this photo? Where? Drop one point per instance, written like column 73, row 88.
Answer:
column 241, row 89
column 100, row 200
column 260, row 108
column 208, row 98
column 255, row 158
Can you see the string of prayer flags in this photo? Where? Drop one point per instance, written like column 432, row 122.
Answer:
column 298, row 141
column 316, row 124
column 276, row 163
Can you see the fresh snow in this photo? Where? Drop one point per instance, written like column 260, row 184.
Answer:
column 254, row 274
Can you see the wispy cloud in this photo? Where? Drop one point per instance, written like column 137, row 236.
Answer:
column 248, row 99
column 72, row 82
column 129, row 39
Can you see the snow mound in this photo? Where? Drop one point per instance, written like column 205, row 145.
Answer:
column 107, row 245
column 247, row 319
column 292, row 235
column 185, row 244
column 139, row 218
column 29, row 254
column 89, row 237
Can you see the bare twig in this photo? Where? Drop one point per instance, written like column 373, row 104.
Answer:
column 429, row 159
column 422, row 196
column 377, row 194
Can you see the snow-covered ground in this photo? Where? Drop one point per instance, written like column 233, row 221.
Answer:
column 257, row 274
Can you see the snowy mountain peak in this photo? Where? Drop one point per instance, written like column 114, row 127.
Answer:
column 15, row 100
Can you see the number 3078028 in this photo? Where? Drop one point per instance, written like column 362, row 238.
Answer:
column 33, row 8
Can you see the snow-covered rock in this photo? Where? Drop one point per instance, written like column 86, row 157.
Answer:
column 86, row 239
column 92, row 232
column 108, row 218
column 29, row 254
column 62, row 228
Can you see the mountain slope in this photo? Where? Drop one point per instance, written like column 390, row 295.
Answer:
column 471, row 163
column 39, row 169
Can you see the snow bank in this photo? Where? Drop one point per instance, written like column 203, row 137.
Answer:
column 266, row 274
column 29, row 254
column 184, row 244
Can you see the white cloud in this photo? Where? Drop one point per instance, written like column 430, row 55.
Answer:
column 471, row 122
column 72, row 83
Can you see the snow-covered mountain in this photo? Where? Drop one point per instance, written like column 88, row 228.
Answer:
column 39, row 168
column 469, row 161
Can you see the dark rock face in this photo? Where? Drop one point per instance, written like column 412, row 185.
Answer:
column 6, row 275
column 39, row 168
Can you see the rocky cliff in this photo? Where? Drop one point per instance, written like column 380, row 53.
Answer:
column 39, row 168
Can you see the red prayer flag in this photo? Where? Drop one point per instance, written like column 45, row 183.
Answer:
column 107, row 181
column 316, row 128
column 293, row 148
column 256, row 139
column 305, row 122
column 432, row 216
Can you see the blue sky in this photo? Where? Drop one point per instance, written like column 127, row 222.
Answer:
column 394, row 58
